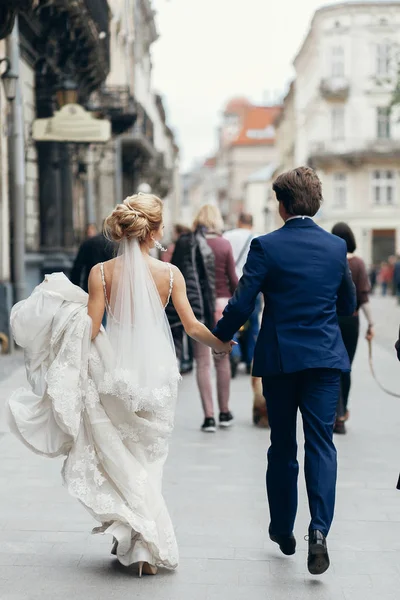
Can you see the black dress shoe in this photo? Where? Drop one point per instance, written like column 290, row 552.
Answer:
column 286, row 543
column 339, row 426
column 318, row 558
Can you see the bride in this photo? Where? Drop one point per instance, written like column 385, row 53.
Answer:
column 107, row 400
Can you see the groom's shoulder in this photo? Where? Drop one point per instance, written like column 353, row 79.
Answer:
column 269, row 238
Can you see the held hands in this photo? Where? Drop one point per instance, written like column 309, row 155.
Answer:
column 224, row 348
column 370, row 333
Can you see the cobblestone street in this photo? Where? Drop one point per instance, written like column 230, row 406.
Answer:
column 214, row 485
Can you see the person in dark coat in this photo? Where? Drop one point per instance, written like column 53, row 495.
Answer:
column 195, row 260
column 350, row 325
column 206, row 261
column 92, row 251
column 183, row 343
column 299, row 354
column 396, row 278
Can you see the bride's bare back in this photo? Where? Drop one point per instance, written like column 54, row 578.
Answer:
column 160, row 272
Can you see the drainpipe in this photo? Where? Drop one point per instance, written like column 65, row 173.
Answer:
column 17, row 172
column 118, row 171
column 90, row 201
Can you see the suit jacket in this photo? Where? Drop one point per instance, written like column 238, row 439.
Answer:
column 91, row 252
column 304, row 275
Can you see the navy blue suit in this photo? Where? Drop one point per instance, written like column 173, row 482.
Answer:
column 304, row 276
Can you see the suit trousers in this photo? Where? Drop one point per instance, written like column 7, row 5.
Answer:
column 314, row 392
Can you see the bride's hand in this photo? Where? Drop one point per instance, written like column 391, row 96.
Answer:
column 224, row 347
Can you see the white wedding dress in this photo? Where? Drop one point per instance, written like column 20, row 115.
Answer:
column 107, row 404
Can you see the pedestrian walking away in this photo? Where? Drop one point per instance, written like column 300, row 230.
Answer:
column 350, row 326
column 183, row 344
column 240, row 239
column 206, row 261
column 94, row 250
column 106, row 400
column 385, row 277
column 299, row 354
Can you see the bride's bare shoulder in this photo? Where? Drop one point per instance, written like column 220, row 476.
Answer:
column 108, row 265
column 157, row 264
column 110, row 262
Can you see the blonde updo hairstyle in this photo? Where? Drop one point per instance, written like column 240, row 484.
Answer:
column 137, row 217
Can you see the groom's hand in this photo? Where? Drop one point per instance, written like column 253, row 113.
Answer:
column 225, row 348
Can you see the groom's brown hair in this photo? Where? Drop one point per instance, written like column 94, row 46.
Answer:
column 300, row 191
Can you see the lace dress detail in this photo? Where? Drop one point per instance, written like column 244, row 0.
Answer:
column 103, row 280
column 171, row 284
column 113, row 430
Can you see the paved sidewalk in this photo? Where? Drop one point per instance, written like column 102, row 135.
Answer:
column 214, row 485
column 9, row 363
column 386, row 315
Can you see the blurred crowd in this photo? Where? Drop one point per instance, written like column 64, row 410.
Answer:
column 212, row 260
column 386, row 277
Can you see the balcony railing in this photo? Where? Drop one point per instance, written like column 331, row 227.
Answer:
column 335, row 88
column 118, row 98
column 352, row 149
column 144, row 125
column 160, row 177
column 116, row 103
column 139, row 141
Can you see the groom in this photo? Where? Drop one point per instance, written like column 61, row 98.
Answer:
column 303, row 273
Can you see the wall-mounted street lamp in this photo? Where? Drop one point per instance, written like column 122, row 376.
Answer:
column 67, row 93
column 9, row 79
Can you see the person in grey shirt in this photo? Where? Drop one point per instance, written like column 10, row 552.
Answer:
column 240, row 239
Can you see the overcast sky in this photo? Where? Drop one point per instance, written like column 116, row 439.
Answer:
column 211, row 50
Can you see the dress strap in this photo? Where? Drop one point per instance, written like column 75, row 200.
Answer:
column 171, row 284
column 103, row 280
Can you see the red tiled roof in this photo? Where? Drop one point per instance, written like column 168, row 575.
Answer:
column 258, row 126
column 237, row 105
column 210, row 162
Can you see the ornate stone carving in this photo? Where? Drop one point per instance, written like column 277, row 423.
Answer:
column 8, row 12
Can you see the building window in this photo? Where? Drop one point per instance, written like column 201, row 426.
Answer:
column 338, row 123
column 383, row 187
column 383, row 52
column 383, row 123
column 337, row 61
column 339, row 190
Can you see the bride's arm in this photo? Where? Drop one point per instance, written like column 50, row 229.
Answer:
column 96, row 304
column 192, row 326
